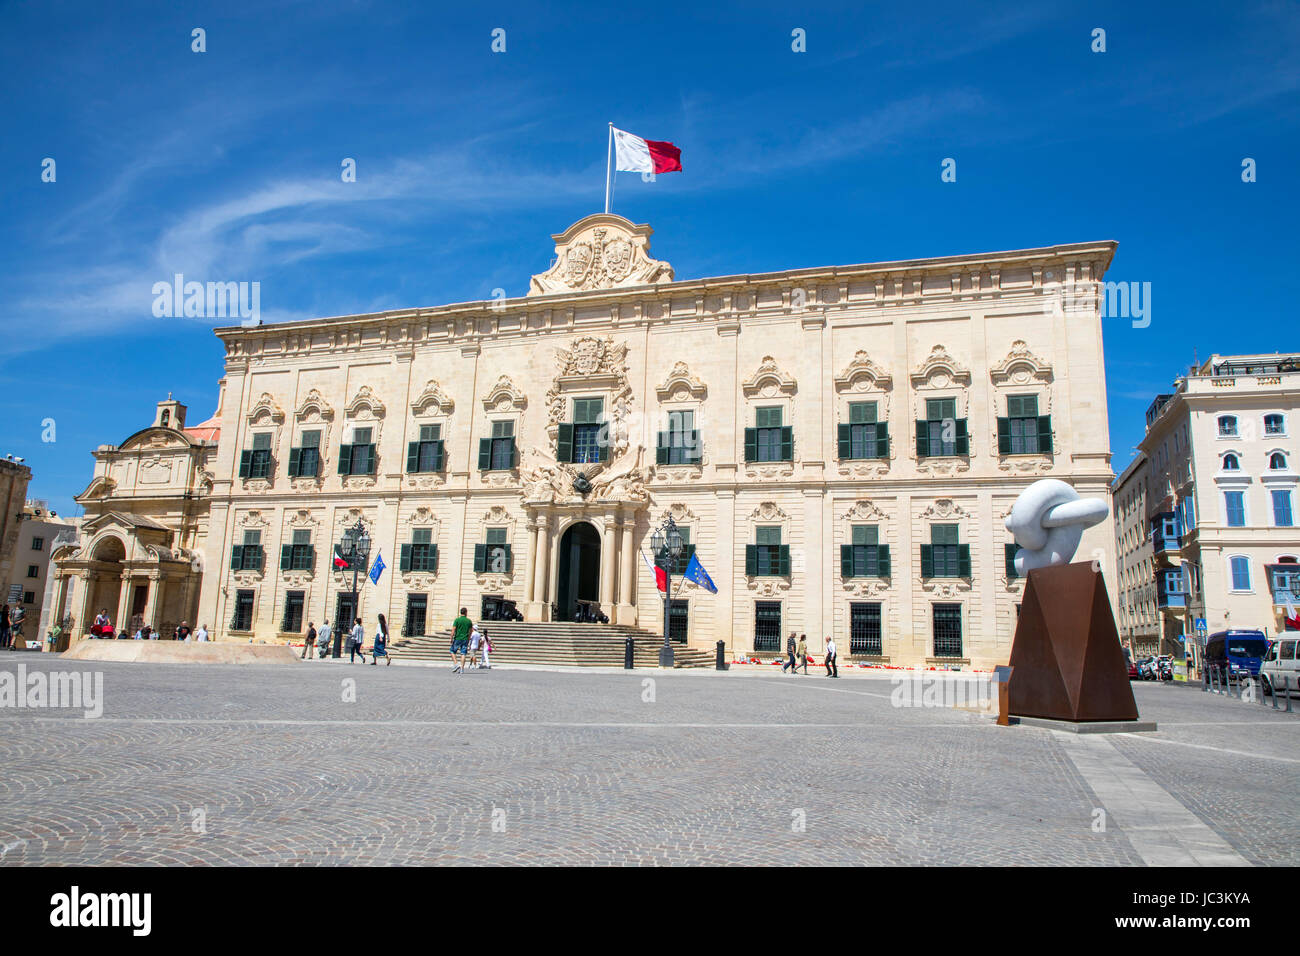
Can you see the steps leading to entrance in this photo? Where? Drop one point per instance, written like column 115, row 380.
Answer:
column 577, row 645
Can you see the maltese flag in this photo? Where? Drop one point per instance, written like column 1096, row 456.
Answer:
column 1292, row 614
column 661, row 576
column 632, row 154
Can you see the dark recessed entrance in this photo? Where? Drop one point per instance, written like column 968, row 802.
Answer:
column 579, row 570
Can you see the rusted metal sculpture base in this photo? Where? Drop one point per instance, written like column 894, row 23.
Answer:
column 1066, row 657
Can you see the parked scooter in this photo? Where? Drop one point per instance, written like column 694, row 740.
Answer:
column 1165, row 668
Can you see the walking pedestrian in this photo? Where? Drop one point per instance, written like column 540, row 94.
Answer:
column 381, row 644
column 484, row 647
column 323, row 640
column 4, row 626
column 202, row 633
column 789, row 649
column 474, row 639
column 16, row 618
column 802, row 651
column 309, row 645
column 832, row 665
column 460, row 629
column 355, row 640
column 183, row 631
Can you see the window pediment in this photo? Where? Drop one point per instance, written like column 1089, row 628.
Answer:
column 769, row 381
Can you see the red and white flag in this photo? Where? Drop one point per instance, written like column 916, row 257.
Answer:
column 340, row 562
column 1292, row 614
column 661, row 576
column 632, row 154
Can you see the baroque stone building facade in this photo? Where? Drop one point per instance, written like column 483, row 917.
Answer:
column 841, row 446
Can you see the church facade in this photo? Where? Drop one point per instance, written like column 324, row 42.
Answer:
column 839, row 447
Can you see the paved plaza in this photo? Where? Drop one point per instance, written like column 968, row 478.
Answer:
column 326, row 763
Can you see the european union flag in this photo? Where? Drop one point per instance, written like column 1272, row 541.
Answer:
column 695, row 572
column 377, row 569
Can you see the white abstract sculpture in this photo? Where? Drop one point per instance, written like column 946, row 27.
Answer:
column 1047, row 521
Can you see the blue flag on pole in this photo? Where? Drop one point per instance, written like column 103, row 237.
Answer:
column 378, row 568
column 695, row 572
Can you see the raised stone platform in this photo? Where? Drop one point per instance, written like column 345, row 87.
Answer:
column 181, row 652
column 1089, row 726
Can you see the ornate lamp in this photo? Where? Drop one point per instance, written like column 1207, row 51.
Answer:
column 668, row 546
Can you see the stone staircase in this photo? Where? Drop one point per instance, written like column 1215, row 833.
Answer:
column 575, row 645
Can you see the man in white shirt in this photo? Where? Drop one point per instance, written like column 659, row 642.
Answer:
column 832, row 667
column 474, row 639
column 202, row 633
column 323, row 640
column 358, row 637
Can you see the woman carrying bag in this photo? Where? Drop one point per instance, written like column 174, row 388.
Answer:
column 381, row 644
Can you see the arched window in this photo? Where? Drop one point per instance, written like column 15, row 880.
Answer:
column 1240, row 573
column 1274, row 425
column 166, row 417
column 1227, row 425
column 1277, row 461
column 1231, row 462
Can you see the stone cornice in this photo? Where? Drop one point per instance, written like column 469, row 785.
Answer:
column 459, row 323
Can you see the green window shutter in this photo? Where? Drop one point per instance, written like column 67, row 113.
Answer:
column 751, row 444
column 480, row 558
column 510, row 558
column 433, row 557
column 245, row 463
column 513, row 454
column 844, row 439
column 311, row 557
column 602, row 449
column 846, row 560
column 927, row 561
column 963, row 560
column 882, row 439
column 564, row 442
column 922, row 437
column 1009, row 553
column 371, row 458
column 696, row 450
column 345, row 459
column 787, row 443
column 963, row 438
column 295, row 462
column 484, row 454
column 286, row 557
column 237, row 557
column 1004, row 436
column 1045, row 434
column 882, row 560
column 439, row 456
column 412, row 456
column 783, row 560
column 405, row 563
column 751, row 560
column 661, row 450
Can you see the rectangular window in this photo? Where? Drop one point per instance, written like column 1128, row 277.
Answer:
column 421, row 554
column 493, row 556
column 688, row 549
column 865, row 634
column 866, row 557
column 680, row 444
column 1240, row 574
column 247, row 556
column 243, row 619
column 767, row 556
column 941, row 432
column 255, row 462
column 417, row 612
column 1235, row 505
column 944, row 556
column 293, row 604
column 862, row 436
column 769, row 434
column 947, row 630
column 677, row 620
column 1022, row 424
column 1282, row 509
column 304, row 461
column 358, row 458
column 425, row 454
column 1274, row 425
column 38, row 544
column 767, row 626
column 299, row 555
column 588, row 430
column 33, row 570
column 498, row 452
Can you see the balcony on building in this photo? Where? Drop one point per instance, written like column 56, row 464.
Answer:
column 1284, row 581
column 1166, row 535
column 1171, row 589
column 1153, row 410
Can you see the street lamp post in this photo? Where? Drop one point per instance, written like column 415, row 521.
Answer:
column 668, row 545
column 355, row 548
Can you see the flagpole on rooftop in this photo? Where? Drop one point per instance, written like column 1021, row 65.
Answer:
column 609, row 167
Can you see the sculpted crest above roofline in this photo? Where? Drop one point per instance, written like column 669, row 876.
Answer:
column 603, row 251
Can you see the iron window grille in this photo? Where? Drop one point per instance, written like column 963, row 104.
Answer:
column 865, row 632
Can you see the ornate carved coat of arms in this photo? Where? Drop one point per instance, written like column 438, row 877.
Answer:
column 601, row 252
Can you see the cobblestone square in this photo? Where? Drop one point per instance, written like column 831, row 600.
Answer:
column 327, row 763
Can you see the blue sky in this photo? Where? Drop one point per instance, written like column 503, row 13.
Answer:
column 225, row 165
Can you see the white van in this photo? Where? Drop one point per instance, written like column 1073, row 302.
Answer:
column 1281, row 665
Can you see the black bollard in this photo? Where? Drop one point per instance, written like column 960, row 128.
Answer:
column 627, row 654
column 722, row 664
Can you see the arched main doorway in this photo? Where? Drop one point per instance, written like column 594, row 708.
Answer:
column 578, row 569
